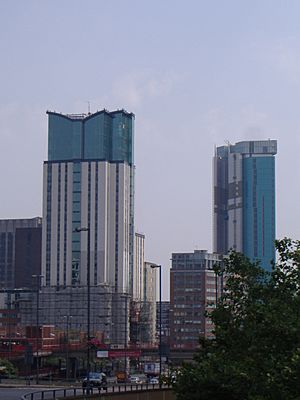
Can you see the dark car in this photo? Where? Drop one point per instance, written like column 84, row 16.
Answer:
column 97, row 379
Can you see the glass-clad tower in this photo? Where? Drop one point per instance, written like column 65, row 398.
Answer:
column 244, row 199
column 89, row 182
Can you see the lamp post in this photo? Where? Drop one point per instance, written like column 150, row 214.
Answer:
column 88, row 282
column 160, row 319
column 38, row 284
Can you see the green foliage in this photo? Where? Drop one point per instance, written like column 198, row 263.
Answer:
column 7, row 369
column 256, row 351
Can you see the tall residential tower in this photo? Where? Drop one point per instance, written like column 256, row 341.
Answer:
column 89, row 183
column 244, row 199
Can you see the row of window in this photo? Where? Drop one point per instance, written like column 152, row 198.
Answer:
column 187, row 321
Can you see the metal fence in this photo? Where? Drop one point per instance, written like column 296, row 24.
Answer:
column 59, row 393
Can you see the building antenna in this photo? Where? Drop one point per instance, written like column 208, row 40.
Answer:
column 228, row 145
column 89, row 108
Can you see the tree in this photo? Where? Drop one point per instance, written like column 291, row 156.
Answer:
column 7, row 369
column 255, row 354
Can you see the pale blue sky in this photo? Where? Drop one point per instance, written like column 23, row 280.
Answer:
column 195, row 73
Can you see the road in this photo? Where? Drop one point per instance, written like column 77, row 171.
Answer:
column 15, row 393
column 10, row 393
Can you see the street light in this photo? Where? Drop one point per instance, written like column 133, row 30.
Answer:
column 88, row 282
column 160, row 317
column 38, row 285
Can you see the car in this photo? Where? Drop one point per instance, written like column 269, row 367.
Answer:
column 154, row 381
column 142, row 378
column 134, row 379
column 97, row 379
column 121, row 377
column 138, row 379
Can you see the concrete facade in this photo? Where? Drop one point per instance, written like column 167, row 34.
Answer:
column 8, row 231
column 194, row 289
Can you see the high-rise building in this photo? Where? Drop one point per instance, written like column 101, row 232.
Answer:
column 244, row 199
column 138, row 267
column 148, row 315
column 89, row 183
column 10, row 229
column 194, row 289
column 28, row 252
column 143, row 305
column 165, row 324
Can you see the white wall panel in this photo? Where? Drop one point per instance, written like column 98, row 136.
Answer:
column 102, row 221
column 61, row 223
column 111, row 222
column 69, row 223
column 54, row 194
column 44, row 225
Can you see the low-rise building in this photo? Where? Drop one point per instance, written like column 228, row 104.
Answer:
column 194, row 288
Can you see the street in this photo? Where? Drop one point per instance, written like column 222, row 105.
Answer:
column 10, row 393
column 16, row 393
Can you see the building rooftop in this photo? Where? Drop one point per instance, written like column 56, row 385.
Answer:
column 84, row 116
column 268, row 147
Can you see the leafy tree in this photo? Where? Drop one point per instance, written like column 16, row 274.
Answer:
column 7, row 369
column 255, row 354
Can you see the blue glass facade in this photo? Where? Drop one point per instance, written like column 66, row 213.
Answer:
column 244, row 199
column 98, row 137
column 101, row 136
column 64, row 138
column 259, row 209
column 122, row 149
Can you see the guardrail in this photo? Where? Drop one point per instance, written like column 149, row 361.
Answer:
column 67, row 392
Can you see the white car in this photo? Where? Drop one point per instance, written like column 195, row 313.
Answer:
column 154, row 381
column 134, row 379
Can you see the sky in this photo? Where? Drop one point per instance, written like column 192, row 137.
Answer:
column 195, row 73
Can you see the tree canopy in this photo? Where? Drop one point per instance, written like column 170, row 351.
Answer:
column 255, row 354
column 7, row 369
